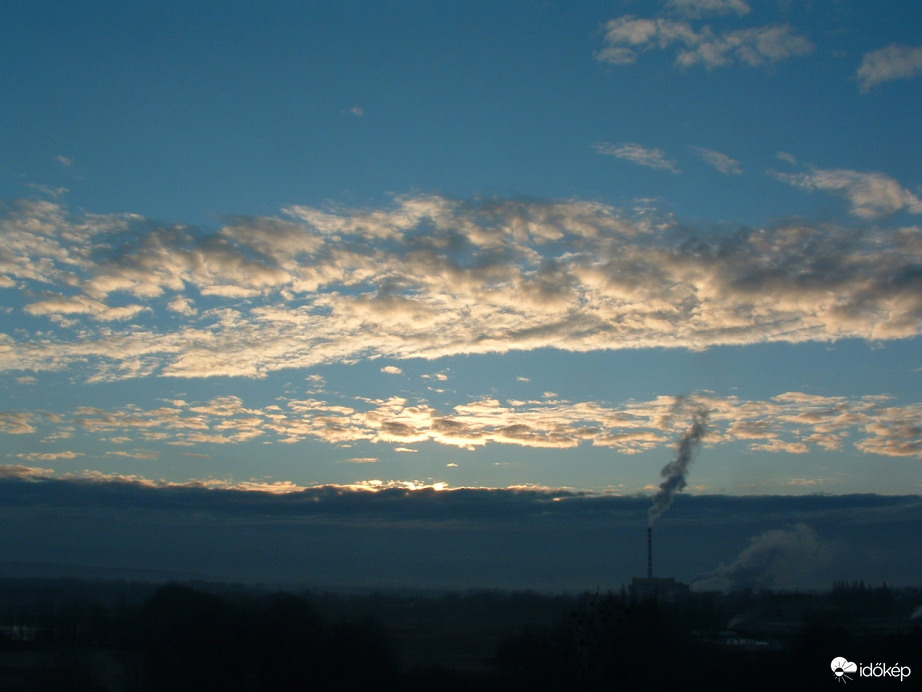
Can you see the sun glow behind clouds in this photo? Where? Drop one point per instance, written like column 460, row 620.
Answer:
column 792, row 423
column 297, row 293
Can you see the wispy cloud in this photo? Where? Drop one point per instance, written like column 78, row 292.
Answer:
column 628, row 36
column 889, row 64
column 636, row 153
column 719, row 160
column 700, row 8
column 871, row 195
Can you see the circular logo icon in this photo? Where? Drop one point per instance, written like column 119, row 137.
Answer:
column 840, row 666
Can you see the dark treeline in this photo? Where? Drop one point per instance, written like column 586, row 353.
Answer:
column 123, row 637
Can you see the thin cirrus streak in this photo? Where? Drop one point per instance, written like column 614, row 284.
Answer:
column 119, row 297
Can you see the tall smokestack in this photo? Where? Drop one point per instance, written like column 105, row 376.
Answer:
column 649, row 552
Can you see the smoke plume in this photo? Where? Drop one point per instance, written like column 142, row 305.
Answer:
column 779, row 558
column 676, row 470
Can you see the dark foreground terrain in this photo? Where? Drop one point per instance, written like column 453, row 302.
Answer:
column 135, row 637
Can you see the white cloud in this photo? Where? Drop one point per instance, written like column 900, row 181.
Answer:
column 18, row 422
column 784, row 156
column 635, row 153
column 49, row 456
column 391, row 370
column 699, row 8
column 136, row 454
column 83, row 305
column 183, row 306
column 436, row 277
column 628, row 36
column 720, row 161
column 888, row 64
column 871, row 195
column 753, row 47
column 790, row 423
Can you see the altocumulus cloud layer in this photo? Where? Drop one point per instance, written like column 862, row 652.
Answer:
column 794, row 423
column 120, row 296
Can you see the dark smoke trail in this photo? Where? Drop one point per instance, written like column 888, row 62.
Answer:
column 675, row 471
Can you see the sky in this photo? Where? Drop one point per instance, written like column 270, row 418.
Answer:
column 511, row 246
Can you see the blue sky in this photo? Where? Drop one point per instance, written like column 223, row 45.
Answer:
column 478, row 244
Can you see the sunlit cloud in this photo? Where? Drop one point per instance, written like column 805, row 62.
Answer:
column 871, row 195
column 17, row 422
column 142, row 455
column 790, row 423
column 16, row 471
column 49, row 456
column 430, row 277
column 889, row 64
column 719, row 161
column 635, row 153
column 628, row 36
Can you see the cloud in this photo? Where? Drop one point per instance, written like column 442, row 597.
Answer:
column 17, row 422
column 49, row 456
column 635, row 153
column 790, row 423
column 720, row 161
column 391, row 370
column 888, row 64
column 361, row 460
column 429, row 276
column 699, row 8
column 784, row 156
column 24, row 472
column 752, row 47
column 871, row 195
column 628, row 36
column 83, row 305
column 182, row 305
column 136, row 454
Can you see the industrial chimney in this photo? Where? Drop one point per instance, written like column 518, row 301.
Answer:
column 649, row 552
